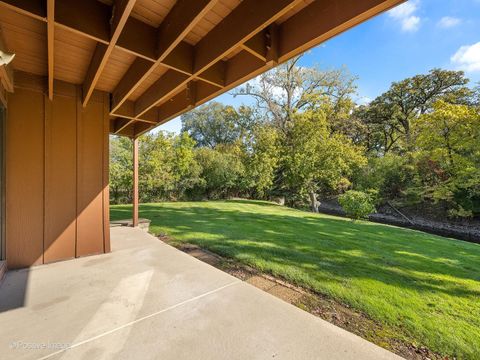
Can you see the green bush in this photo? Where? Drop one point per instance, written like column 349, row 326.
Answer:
column 356, row 204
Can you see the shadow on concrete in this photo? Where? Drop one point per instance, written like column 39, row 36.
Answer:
column 13, row 289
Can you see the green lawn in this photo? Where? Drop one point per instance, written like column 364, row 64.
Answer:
column 423, row 287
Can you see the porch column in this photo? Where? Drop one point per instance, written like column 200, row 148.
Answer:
column 135, row 183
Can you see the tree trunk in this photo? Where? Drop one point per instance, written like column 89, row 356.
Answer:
column 314, row 203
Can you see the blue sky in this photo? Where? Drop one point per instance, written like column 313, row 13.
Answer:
column 411, row 39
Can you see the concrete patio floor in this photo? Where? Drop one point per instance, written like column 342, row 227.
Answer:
column 147, row 300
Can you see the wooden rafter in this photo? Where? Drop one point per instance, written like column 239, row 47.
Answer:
column 257, row 46
column 91, row 19
column 178, row 23
column 127, row 111
column 3, row 95
column 50, row 45
column 281, row 47
column 321, row 21
column 6, row 73
column 246, row 20
column 250, row 26
column 120, row 13
column 30, row 8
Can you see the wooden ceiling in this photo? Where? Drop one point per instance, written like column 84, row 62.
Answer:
column 160, row 58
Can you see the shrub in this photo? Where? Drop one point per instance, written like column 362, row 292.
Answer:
column 356, row 204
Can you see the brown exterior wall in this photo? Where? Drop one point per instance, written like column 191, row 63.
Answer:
column 56, row 162
column 24, row 179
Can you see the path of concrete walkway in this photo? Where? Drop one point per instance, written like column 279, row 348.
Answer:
column 147, row 300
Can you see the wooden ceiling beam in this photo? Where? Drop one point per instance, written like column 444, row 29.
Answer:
column 139, row 39
column 6, row 77
column 90, row 18
column 246, row 20
column 140, row 128
column 6, row 71
column 282, row 39
column 127, row 131
column 181, row 19
column 257, row 46
column 162, row 89
column 31, row 8
column 322, row 20
column 3, row 96
column 215, row 74
column 313, row 25
column 127, row 111
column 181, row 58
column 183, row 101
column 239, row 69
column 121, row 11
column 119, row 124
column 316, row 23
column 129, row 128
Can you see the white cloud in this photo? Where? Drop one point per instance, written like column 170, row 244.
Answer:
column 405, row 15
column 411, row 24
column 449, row 22
column 467, row 58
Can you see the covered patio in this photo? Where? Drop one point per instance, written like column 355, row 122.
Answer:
column 147, row 300
column 72, row 73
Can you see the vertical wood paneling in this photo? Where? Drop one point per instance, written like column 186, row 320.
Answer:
column 60, row 178
column 57, row 202
column 90, row 165
column 25, row 179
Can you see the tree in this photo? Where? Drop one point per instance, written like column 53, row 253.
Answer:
column 156, row 159
column 406, row 100
column 213, row 124
column 450, row 137
column 222, row 171
column 262, row 158
column 121, row 169
column 476, row 96
column 377, row 128
column 316, row 161
column 290, row 89
column 186, row 169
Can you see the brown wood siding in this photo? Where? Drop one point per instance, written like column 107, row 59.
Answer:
column 60, row 178
column 25, row 179
column 57, row 175
column 90, row 179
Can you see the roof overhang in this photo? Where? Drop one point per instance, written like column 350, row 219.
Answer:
column 161, row 58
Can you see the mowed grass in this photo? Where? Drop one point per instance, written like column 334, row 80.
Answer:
column 424, row 288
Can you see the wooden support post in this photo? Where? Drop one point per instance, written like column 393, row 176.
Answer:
column 135, row 183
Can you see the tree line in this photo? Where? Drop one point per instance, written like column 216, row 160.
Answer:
column 305, row 139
